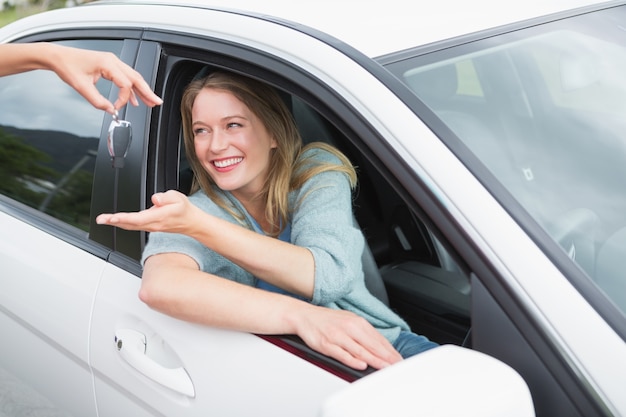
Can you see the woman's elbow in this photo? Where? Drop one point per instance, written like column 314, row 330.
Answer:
column 333, row 289
column 159, row 281
column 148, row 292
column 151, row 291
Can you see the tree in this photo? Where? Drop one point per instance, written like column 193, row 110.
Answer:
column 21, row 167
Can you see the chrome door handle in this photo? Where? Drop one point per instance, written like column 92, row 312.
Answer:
column 131, row 345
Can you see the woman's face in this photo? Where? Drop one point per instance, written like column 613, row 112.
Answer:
column 231, row 143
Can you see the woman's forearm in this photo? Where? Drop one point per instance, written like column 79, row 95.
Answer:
column 173, row 284
column 280, row 263
column 285, row 265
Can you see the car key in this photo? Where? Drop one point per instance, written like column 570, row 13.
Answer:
column 118, row 140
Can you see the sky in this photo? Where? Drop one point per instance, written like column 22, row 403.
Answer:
column 48, row 104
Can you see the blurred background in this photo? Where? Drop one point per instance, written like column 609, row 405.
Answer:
column 11, row 10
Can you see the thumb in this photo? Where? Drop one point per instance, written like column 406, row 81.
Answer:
column 157, row 199
column 98, row 100
column 168, row 197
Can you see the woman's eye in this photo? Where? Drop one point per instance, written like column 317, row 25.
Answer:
column 233, row 124
column 199, row 131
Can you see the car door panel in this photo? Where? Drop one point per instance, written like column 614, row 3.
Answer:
column 223, row 366
column 49, row 267
column 44, row 318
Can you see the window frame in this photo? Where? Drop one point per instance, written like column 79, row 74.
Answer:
column 164, row 152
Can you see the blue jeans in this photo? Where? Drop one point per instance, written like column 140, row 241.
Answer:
column 409, row 344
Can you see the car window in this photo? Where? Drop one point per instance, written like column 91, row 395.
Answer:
column 543, row 109
column 49, row 137
column 405, row 266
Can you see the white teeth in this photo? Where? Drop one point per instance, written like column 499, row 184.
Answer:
column 227, row 162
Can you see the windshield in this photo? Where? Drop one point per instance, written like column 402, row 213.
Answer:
column 544, row 109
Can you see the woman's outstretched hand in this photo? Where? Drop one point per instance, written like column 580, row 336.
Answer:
column 171, row 212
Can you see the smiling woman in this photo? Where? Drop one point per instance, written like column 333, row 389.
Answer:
column 259, row 192
column 488, row 212
column 222, row 137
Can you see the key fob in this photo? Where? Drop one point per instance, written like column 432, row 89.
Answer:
column 118, row 140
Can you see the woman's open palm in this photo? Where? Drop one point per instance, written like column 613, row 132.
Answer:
column 171, row 212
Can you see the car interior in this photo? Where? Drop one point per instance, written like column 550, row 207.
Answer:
column 534, row 146
column 405, row 266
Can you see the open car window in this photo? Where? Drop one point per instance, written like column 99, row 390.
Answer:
column 406, row 266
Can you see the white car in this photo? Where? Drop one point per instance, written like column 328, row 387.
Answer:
column 490, row 141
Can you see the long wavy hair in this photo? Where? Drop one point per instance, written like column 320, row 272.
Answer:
column 288, row 169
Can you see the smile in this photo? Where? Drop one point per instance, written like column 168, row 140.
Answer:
column 225, row 163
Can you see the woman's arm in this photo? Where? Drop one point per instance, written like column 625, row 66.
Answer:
column 282, row 264
column 320, row 265
column 173, row 284
column 324, row 223
column 81, row 69
column 285, row 265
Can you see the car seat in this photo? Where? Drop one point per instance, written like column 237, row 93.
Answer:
column 312, row 128
column 610, row 266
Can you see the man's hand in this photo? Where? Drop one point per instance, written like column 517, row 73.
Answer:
column 81, row 69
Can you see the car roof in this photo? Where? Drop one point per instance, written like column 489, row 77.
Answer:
column 379, row 27
column 374, row 27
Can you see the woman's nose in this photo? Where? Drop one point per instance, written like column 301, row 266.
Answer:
column 219, row 142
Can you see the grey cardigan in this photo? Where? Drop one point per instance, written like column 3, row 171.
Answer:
column 322, row 221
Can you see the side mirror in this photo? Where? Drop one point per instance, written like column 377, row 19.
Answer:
column 445, row 381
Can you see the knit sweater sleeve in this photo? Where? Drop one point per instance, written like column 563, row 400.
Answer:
column 159, row 242
column 323, row 222
column 207, row 259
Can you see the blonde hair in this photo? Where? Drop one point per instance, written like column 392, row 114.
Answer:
column 288, row 169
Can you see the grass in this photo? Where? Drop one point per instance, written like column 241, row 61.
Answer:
column 15, row 13
column 7, row 16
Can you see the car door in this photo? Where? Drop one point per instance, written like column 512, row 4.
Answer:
column 152, row 364
column 146, row 363
column 49, row 268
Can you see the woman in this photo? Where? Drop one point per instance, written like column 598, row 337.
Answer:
column 275, row 220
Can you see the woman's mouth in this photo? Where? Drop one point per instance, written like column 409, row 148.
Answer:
column 226, row 163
